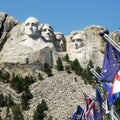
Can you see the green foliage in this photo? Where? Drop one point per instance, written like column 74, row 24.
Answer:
column 17, row 114
column 90, row 65
column 59, row 65
column 67, row 58
column 17, row 84
column 28, row 80
column 88, row 77
column 4, row 76
column 0, row 117
column 76, row 67
column 24, row 102
column 39, row 114
column 8, row 115
column 6, row 100
column 40, row 77
column 68, row 68
column 2, row 100
column 117, row 106
column 26, row 96
column 10, row 101
column 47, row 69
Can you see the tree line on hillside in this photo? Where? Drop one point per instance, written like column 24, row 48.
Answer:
column 21, row 85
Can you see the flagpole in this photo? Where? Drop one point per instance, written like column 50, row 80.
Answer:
column 112, row 112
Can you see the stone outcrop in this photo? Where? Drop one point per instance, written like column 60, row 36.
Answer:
column 6, row 24
column 62, row 93
column 86, row 45
column 27, row 47
column 116, row 36
column 22, row 49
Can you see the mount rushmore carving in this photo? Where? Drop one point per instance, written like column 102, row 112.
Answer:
column 35, row 43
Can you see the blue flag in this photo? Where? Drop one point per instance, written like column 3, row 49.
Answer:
column 108, row 89
column 98, row 110
column 78, row 114
column 111, row 98
column 111, row 63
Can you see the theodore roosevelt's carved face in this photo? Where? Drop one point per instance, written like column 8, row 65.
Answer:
column 47, row 32
column 31, row 27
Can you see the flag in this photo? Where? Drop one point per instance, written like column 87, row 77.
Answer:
column 116, row 83
column 90, row 103
column 109, row 96
column 98, row 110
column 111, row 63
column 78, row 114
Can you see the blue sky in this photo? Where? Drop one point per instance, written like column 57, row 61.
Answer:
column 66, row 15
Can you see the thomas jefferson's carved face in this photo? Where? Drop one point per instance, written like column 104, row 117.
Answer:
column 47, row 32
column 31, row 27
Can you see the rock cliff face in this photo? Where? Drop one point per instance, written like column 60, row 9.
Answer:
column 86, row 45
column 20, row 47
column 6, row 24
column 26, row 46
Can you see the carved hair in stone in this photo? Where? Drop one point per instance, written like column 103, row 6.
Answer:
column 31, row 27
column 47, row 33
column 78, row 40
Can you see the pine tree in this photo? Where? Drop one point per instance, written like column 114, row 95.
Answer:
column 16, row 112
column 67, row 58
column 39, row 114
column 10, row 101
column 67, row 68
column 8, row 115
column 59, row 65
column 75, row 66
column 24, row 102
column 40, row 77
column 47, row 69
column 17, row 84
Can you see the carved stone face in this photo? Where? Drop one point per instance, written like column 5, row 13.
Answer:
column 47, row 32
column 77, row 41
column 31, row 27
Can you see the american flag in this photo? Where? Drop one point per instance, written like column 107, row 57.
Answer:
column 90, row 104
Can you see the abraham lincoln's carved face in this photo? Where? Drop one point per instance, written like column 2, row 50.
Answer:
column 77, row 41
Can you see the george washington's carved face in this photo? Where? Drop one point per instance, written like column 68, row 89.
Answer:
column 31, row 27
column 47, row 32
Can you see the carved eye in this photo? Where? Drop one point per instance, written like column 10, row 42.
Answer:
column 34, row 24
column 73, row 40
column 44, row 30
column 27, row 24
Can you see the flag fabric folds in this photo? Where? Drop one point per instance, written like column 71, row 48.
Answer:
column 111, row 63
column 78, row 115
column 109, row 96
column 90, row 104
column 116, row 83
column 98, row 110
